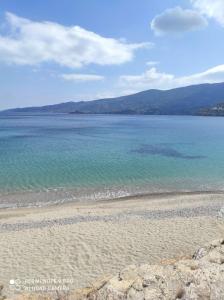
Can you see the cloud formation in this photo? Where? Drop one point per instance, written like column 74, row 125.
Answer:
column 82, row 77
column 153, row 79
column 152, row 63
column 210, row 8
column 32, row 43
column 177, row 20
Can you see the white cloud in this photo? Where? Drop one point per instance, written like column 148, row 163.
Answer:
column 82, row 77
column 149, row 79
column 213, row 75
column 211, row 8
column 152, row 63
column 32, row 43
column 177, row 20
column 153, row 79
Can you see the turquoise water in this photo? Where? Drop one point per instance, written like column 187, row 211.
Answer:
column 105, row 156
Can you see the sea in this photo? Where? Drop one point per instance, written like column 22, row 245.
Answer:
column 47, row 159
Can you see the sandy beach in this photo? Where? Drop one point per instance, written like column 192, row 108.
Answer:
column 82, row 242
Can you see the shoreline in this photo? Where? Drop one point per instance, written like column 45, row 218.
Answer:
column 73, row 201
column 86, row 241
column 208, row 201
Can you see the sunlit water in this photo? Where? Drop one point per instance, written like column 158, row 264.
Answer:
column 50, row 158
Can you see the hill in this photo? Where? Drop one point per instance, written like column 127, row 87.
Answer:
column 190, row 100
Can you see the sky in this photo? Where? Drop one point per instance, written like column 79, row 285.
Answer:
column 71, row 50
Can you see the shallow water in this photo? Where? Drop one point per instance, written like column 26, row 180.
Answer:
column 53, row 158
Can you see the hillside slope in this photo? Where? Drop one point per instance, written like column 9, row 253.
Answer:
column 191, row 100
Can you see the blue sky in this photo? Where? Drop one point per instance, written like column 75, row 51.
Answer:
column 56, row 51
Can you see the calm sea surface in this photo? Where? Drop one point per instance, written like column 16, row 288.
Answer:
column 53, row 158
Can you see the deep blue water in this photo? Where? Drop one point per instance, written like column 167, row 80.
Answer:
column 108, row 156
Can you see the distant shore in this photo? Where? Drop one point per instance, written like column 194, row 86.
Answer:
column 85, row 241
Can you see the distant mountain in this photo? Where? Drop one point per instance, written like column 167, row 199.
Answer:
column 190, row 100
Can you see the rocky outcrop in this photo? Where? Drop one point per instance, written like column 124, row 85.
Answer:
column 200, row 277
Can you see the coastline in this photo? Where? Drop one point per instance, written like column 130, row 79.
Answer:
column 83, row 241
column 63, row 196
